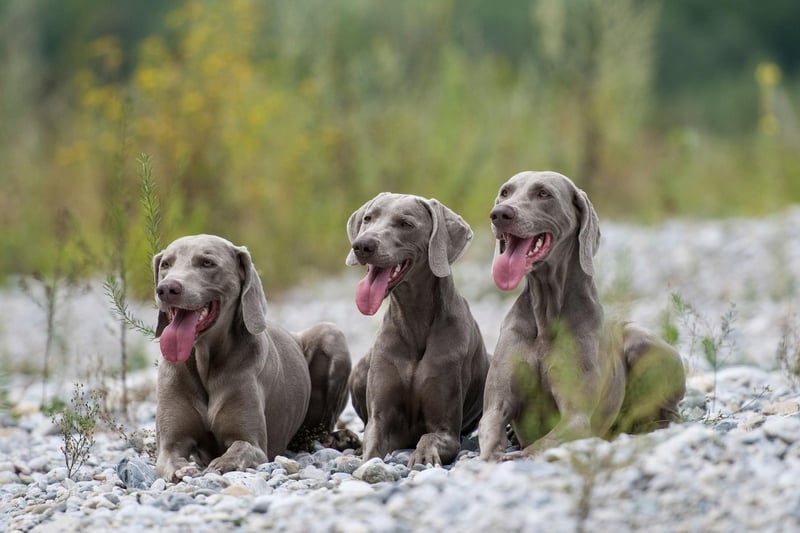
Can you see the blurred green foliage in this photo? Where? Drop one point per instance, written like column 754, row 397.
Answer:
column 269, row 122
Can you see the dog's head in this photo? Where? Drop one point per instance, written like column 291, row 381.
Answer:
column 203, row 283
column 396, row 235
column 538, row 218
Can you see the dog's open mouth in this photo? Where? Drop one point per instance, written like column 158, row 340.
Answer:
column 179, row 335
column 377, row 285
column 517, row 256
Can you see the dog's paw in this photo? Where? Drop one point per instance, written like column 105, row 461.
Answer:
column 492, row 457
column 425, row 456
column 240, row 456
column 511, row 456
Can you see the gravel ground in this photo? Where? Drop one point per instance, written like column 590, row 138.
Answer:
column 732, row 465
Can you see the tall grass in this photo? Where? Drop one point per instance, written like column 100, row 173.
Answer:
column 272, row 138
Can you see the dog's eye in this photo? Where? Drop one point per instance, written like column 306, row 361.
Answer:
column 503, row 192
column 367, row 218
column 406, row 224
column 543, row 193
column 208, row 263
column 164, row 264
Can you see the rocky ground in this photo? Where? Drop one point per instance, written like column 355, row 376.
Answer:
column 733, row 464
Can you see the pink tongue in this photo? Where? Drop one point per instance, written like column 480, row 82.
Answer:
column 177, row 338
column 509, row 267
column 372, row 290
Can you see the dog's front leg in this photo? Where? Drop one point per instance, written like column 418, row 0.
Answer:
column 385, row 431
column 442, row 407
column 179, row 429
column 240, row 427
column 575, row 383
column 498, row 411
column 173, row 463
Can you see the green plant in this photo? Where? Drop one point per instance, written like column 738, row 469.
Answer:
column 77, row 423
column 141, row 440
column 4, row 403
column 788, row 351
column 595, row 462
column 121, row 309
column 71, row 262
column 716, row 343
column 116, row 283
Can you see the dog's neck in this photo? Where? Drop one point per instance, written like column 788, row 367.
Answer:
column 415, row 304
column 562, row 293
column 210, row 349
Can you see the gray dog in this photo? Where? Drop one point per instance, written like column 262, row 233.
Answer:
column 421, row 383
column 234, row 388
column 560, row 372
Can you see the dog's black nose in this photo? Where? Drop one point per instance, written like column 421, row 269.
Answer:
column 502, row 215
column 169, row 288
column 365, row 246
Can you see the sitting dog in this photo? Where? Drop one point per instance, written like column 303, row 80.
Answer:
column 421, row 383
column 559, row 372
column 234, row 388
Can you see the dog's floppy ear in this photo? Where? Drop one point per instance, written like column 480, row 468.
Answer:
column 354, row 226
column 450, row 237
column 589, row 232
column 252, row 299
column 163, row 319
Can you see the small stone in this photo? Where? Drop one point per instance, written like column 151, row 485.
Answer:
column 752, row 421
column 214, row 480
column 6, row 478
column 267, row 468
column 304, row 459
column 400, row 457
column 291, row 466
column 787, row 407
column 135, row 473
column 785, row 428
column 325, row 456
column 277, row 480
column 402, row 470
column 376, row 471
column 39, row 464
column 355, row 488
column 56, row 475
column 236, row 490
column 100, row 502
column 173, row 501
column 312, row 472
column 262, row 504
column 346, row 464
column 278, row 472
column 158, row 485
column 99, row 477
column 432, row 475
column 22, row 468
column 726, row 425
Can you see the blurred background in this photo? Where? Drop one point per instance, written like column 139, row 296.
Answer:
column 269, row 122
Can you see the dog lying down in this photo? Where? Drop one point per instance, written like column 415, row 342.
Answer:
column 234, row 388
column 421, row 384
column 559, row 371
